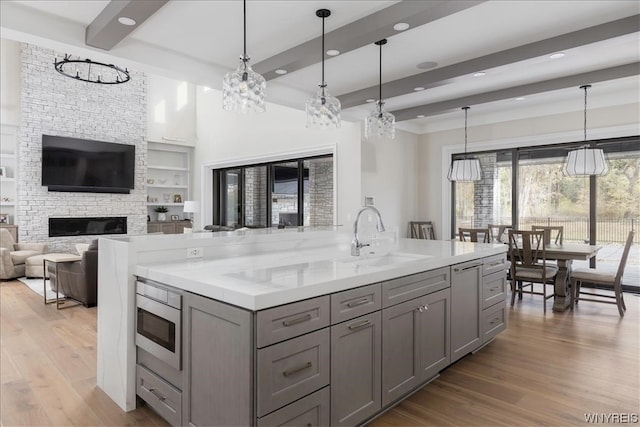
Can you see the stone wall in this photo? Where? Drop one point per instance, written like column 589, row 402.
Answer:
column 53, row 104
column 483, row 200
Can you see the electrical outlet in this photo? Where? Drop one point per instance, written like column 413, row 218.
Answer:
column 194, row 252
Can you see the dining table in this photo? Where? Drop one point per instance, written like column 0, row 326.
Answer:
column 564, row 254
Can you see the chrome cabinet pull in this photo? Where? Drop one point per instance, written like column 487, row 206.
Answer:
column 497, row 319
column 352, row 304
column 458, row 269
column 494, row 288
column 157, row 394
column 296, row 320
column 426, row 307
column 297, row 369
column 359, row 325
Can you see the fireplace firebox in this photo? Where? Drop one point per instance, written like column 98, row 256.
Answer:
column 87, row 226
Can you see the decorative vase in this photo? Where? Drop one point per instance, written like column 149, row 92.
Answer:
column 162, row 216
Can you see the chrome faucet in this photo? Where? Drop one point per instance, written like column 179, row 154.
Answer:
column 355, row 243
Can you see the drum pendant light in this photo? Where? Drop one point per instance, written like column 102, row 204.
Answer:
column 323, row 110
column 586, row 161
column 243, row 89
column 467, row 168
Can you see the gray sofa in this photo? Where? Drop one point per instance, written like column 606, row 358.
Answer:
column 78, row 279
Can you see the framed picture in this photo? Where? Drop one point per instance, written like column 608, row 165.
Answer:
column 175, row 217
column 4, row 218
column 177, row 198
column 3, row 172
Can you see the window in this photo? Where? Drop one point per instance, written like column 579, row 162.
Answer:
column 598, row 210
column 284, row 194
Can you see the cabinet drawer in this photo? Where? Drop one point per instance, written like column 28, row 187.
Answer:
column 355, row 302
column 494, row 320
column 409, row 287
column 288, row 321
column 165, row 399
column 292, row 369
column 494, row 287
column 494, row 264
column 310, row 411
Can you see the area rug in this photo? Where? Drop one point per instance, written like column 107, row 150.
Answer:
column 36, row 286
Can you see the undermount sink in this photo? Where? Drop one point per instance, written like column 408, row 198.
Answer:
column 382, row 260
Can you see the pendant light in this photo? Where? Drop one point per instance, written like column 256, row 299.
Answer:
column 586, row 161
column 467, row 168
column 323, row 110
column 380, row 123
column 243, row 89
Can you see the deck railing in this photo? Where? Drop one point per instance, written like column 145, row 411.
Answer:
column 576, row 229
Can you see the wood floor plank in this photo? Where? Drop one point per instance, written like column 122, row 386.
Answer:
column 544, row 370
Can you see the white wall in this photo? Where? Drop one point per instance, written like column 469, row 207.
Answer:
column 10, row 63
column 227, row 138
column 435, row 148
column 389, row 172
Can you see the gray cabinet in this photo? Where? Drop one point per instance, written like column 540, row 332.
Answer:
column 466, row 303
column 356, row 369
column 218, row 362
column 415, row 343
column 494, row 291
column 310, row 411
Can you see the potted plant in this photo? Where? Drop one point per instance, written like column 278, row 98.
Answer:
column 162, row 213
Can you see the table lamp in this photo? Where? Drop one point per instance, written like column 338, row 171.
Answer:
column 191, row 207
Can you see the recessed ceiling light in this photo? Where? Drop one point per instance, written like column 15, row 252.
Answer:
column 556, row 55
column 479, row 74
column 281, row 71
column 333, row 52
column 401, row 26
column 419, row 116
column 427, row 65
column 418, row 89
column 370, row 100
column 126, row 21
column 520, row 98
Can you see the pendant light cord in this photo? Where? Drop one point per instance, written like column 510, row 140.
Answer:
column 380, row 81
column 466, row 109
column 585, row 112
column 244, row 14
column 323, row 84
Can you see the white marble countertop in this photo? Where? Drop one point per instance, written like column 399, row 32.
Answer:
column 261, row 281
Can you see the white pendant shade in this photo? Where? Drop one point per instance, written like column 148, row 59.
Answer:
column 586, row 161
column 465, row 170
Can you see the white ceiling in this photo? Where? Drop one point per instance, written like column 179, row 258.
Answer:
column 201, row 40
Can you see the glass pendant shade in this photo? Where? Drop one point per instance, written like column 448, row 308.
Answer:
column 586, row 161
column 323, row 110
column 465, row 170
column 380, row 123
column 243, row 89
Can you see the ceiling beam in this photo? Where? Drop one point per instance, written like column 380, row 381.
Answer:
column 576, row 80
column 440, row 76
column 362, row 32
column 105, row 32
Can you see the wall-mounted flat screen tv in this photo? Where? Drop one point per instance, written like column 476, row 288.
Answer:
column 82, row 165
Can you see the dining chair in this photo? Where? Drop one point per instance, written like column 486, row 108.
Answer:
column 550, row 231
column 471, row 234
column 602, row 280
column 528, row 264
column 497, row 233
column 422, row 230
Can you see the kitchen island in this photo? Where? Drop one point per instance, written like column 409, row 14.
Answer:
column 282, row 327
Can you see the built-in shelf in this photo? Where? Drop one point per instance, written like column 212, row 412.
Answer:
column 7, row 156
column 7, row 179
column 168, row 168
column 7, row 203
column 166, row 186
column 165, row 204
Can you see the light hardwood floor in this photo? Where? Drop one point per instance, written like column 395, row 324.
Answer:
column 544, row 370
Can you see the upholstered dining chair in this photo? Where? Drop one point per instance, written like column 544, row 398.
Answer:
column 474, row 234
column 551, row 232
column 527, row 251
column 601, row 280
column 422, row 230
